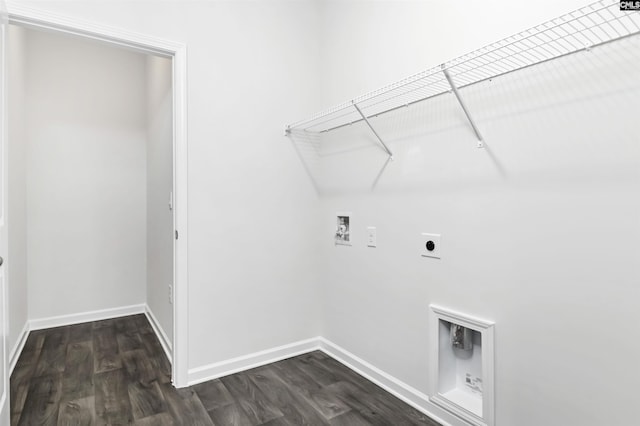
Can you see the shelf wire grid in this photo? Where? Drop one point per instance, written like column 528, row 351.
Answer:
column 590, row 26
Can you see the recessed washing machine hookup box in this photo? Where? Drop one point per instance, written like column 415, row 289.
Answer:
column 461, row 366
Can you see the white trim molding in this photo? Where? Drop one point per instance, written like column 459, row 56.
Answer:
column 396, row 387
column 99, row 315
column 486, row 330
column 18, row 347
column 104, row 314
column 162, row 336
column 4, row 294
column 391, row 384
column 4, row 409
column 180, row 352
column 31, row 17
column 21, row 14
column 253, row 360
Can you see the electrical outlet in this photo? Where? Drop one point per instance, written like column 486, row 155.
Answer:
column 430, row 245
column 170, row 294
column 371, row 236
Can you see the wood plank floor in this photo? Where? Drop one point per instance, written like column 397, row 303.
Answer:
column 114, row 372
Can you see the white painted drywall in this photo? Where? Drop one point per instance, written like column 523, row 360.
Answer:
column 560, row 168
column 253, row 216
column 416, row 35
column 253, row 213
column 539, row 230
column 159, row 188
column 86, row 184
column 17, row 186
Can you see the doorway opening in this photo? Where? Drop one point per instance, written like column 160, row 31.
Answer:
column 102, row 204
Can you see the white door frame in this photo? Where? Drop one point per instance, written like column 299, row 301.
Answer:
column 36, row 18
column 4, row 294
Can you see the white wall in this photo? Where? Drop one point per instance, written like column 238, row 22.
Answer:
column 253, row 222
column 16, row 262
column 539, row 230
column 369, row 44
column 560, row 167
column 253, row 213
column 159, row 188
column 86, row 185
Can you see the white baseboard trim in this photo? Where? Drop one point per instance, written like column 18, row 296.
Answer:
column 247, row 362
column 58, row 321
column 43, row 323
column 396, row 387
column 162, row 336
column 17, row 348
column 403, row 391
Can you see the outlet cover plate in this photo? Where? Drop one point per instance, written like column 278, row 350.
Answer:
column 436, row 239
column 371, row 236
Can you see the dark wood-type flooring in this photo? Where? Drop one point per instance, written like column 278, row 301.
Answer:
column 114, row 372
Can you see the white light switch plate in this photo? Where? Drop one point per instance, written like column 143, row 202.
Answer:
column 371, row 236
column 437, row 245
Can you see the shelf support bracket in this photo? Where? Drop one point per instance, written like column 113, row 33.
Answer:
column 454, row 88
column 366, row 120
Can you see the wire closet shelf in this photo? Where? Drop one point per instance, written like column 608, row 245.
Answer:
column 590, row 26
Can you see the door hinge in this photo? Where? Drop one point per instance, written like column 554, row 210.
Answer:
column 176, row 234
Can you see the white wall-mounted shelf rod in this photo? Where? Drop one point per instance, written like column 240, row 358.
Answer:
column 586, row 28
column 454, row 88
column 366, row 120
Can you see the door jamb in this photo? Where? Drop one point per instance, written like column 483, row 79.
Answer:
column 5, row 407
column 36, row 18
